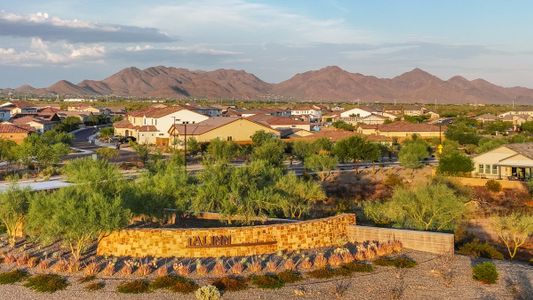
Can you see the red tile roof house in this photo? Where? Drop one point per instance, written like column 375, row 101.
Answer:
column 38, row 124
column 16, row 133
column 280, row 122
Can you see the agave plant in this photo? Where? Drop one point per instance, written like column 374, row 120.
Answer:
column 144, row 268
column 255, row 265
column 271, row 266
column 238, row 267
column 181, row 269
column 335, row 260
column 306, row 264
column 109, row 269
column 201, row 269
column 289, row 264
column 33, row 261
column 219, row 269
column 23, row 259
column 91, row 269
column 320, row 261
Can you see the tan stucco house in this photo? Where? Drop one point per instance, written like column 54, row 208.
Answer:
column 237, row 129
column 511, row 161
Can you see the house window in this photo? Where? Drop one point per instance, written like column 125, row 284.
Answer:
column 480, row 169
column 155, row 122
column 487, row 169
column 494, row 169
column 230, row 138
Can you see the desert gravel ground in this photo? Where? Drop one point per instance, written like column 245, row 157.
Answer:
column 421, row 282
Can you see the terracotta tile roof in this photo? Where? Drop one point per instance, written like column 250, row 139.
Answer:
column 147, row 128
column 409, row 127
column 12, row 128
column 27, row 119
column 124, row 123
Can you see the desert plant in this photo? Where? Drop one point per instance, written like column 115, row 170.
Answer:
column 255, row 266
column 109, row 269
column 127, row 268
column 335, row 260
column 369, row 254
column 306, row 264
column 184, row 285
column 73, row 265
column 144, row 269
column 290, row 276
column 322, row 273
column 237, row 268
column 10, row 258
column 23, row 259
column 86, row 279
column 514, row 230
column 289, row 264
column 477, row 249
column 207, row 292
column 13, row 276
column 134, row 287
column 485, row 272
column 271, row 266
column 341, row 288
column 230, row 283
column 47, row 283
column 164, row 282
column 61, row 265
column 33, row 262
column 44, row 264
column 267, row 281
column 320, row 261
column 398, row 262
column 201, row 269
column 493, row 186
column 396, row 246
column 181, row 269
column 162, row 271
column 356, row 267
column 91, row 269
column 219, row 269
column 95, row 286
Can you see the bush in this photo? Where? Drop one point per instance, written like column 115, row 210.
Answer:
column 268, row 281
column 398, row 262
column 322, row 273
column 485, row 272
column 477, row 249
column 95, row 286
column 358, row 267
column 184, row 286
column 13, row 276
column 207, row 292
column 47, row 283
column 134, row 287
column 230, row 283
column 493, row 186
column 289, row 276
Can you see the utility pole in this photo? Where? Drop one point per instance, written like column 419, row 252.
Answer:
column 185, row 145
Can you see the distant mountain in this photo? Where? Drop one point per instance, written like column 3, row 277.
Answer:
column 327, row 84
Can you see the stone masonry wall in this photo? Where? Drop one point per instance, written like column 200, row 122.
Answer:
column 433, row 242
column 229, row 241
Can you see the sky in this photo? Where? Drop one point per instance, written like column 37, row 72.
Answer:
column 43, row 41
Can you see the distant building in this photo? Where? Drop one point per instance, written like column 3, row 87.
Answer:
column 486, row 118
column 38, row 124
column 511, row 161
column 280, row 122
column 237, row 129
column 405, row 130
column 16, row 133
column 313, row 113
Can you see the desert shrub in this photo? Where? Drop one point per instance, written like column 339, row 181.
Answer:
column 230, row 283
column 398, row 262
column 476, row 249
column 322, row 273
column 485, row 272
column 134, row 287
column 13, row 276
column 184, row 286
column 47, row 283
column 207, row 292
column 493, row 186
column 358, row 267
column 267, row 281
column 86, row 279
column 393, row 180
column 95, row 286
column 290, row 276
column 164, row 282
column 175, row 283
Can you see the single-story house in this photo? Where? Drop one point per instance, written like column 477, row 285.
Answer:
column 511, row 161
column 16, row 133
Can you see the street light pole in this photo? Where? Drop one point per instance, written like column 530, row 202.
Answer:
column 174, row 133
column 185, row 145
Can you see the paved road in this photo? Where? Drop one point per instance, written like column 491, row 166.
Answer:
column 81, row 141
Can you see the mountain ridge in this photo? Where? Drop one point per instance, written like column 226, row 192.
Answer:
column 328, row 84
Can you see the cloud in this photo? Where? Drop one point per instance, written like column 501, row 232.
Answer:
column 240, row 21
column 41, row 53
column 50, row 28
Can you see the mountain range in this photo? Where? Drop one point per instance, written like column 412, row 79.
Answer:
column 328, row 84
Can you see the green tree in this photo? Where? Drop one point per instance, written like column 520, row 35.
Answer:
column 431, row 207
column 487, row 144
column 223, row 151
column 513, row 230
column 271, row 151
column 107, row 153
column 343, row 125
column 462, row 132
column 302, row 149
column 412, row 152
column 193, row 146
column 455, row 163
column 298, row 195
column 167, row 186
column 13, row 209
column 142, row 151
column 497, row 126
column 8, row 150
column 74, row 217
column 42, row 150
column 106, row 133
column 350, row 149
column 95, row 176
column 322, row 164
column 260, row 137
column 527, row 127
column 68, row 124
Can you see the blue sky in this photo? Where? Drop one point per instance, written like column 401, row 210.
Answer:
column 44, row 41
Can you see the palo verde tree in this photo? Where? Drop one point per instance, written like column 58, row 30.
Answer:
column 95, row 175
column 43, row 150
column 454, row 163
column 322, row 164
column 13, row 209
column 267, row 147
column 432, row 207
column 74, row 216
column 222, row 151
column 297, row 195
column 412, row 153
column 513, row 230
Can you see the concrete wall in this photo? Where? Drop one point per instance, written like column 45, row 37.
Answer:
column 229, row 241
column 433, row 242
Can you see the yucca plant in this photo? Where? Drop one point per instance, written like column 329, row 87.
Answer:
column 9, row 258
column 289, row 264
column 61, row 265
column 127, row 268
column 144, row 268
column 397, row 246
column 73, row 266
column 370, row 254
column 347, row 257
column 162, row 271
